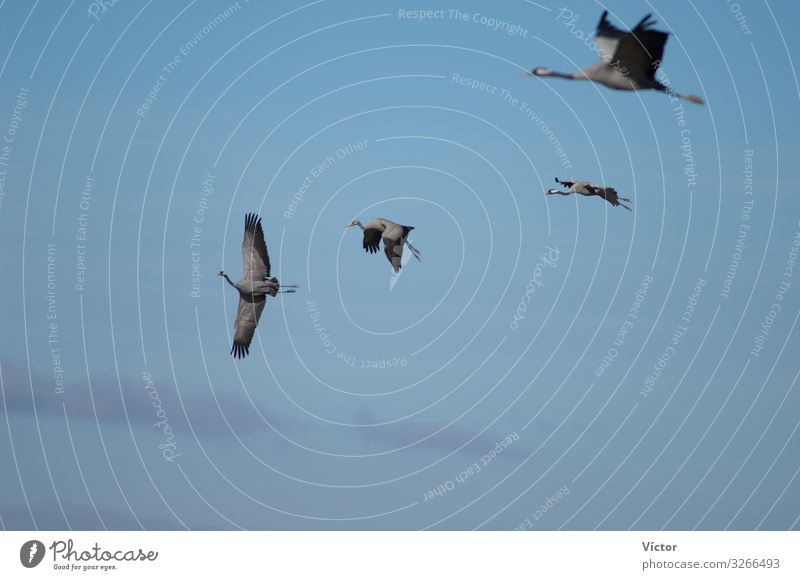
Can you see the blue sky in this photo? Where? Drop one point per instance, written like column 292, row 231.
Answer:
column 551, row 363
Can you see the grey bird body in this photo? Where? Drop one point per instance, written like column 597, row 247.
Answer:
column 394, row 236
column 254, row 287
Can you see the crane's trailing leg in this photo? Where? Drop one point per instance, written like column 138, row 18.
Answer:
column 414, row 251
column 274, row 283
column 691, row 98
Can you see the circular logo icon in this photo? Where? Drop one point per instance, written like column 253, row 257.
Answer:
column 31, row 553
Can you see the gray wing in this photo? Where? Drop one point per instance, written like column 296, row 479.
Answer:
column 256, row 266
column 394, row 238
column 394, row 253
column 640, row 51
column 607, row 38
column 609, row 194
column 584, row 187
column 372, row 240
column 245, row 326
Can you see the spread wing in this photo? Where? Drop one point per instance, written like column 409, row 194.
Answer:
column 640, row 51
column 254, row 251
column 394, row 238
column 372, row 240
column 607, row 38
column 394, row 253
column 609, row 194
column 247, row 316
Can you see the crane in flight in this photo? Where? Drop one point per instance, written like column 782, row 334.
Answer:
column 394, row 237
column 254, row 287
column 628, row 60
column 588, row 189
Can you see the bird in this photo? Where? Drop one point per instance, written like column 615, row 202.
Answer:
column 394, row 237
column 628, row 60
column 254, row 287
column 585, row 188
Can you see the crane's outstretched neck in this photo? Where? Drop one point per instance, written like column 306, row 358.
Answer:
column 546, row 72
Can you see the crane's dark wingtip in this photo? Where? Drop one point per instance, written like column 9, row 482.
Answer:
column 646, row 22
column 251, row 221
column 240, row 350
